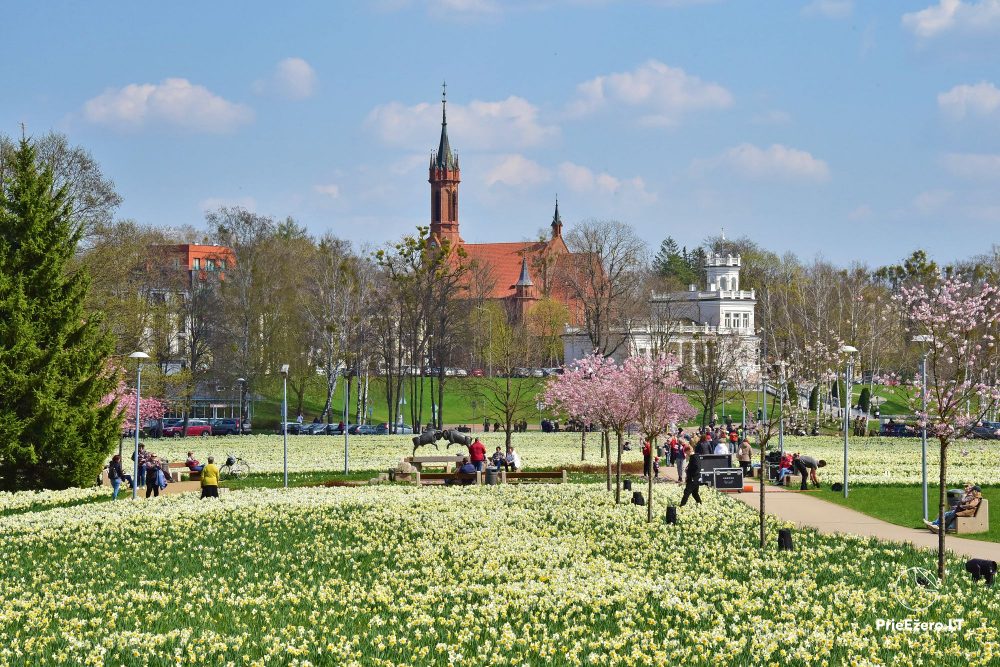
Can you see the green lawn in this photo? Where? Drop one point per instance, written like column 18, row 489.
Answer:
column 903, row 505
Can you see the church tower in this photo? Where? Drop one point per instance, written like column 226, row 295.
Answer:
column 444, row 177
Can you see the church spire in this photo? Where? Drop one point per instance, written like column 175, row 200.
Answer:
column 444, row 159
column 556, row 221
column 525, row 279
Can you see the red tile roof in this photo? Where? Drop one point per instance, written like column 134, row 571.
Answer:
column 504, row 260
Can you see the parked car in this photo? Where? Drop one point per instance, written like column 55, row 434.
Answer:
column 294, row 428
column 331, row 429
column 155, row 429
column 362, row 429
column 987, row 431
column 461, row 372
column 386, row 429
column 555, row 370
column 477, row 372
column 521, row 373
column 313, row 429
column 228, row 427
column 195, row 427
column 537, row 373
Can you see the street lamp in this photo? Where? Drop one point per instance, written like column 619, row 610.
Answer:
column 781, row 407
column 138, row 356
column 924, row 338
column 849, row 350
column 284, row 417
column 239, row 426
column 347, row 422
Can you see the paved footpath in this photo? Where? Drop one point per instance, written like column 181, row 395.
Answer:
column 829, row 518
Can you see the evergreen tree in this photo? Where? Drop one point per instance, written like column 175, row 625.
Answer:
column 665, row 257
column 865, row 400
column 53, row 355
column 814, row 398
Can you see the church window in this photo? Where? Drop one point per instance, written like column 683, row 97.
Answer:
column 437, row 206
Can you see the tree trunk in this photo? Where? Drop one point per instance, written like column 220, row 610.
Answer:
column 618, row 470
column 606, row 444
column 583, row 444
column 649, row 488
column 763, row 477
column 942, row 497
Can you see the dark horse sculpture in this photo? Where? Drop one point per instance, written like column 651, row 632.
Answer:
column 431, row 436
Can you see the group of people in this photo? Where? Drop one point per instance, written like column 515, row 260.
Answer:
column 476, row 461
column 154, row 474
column 800, row 464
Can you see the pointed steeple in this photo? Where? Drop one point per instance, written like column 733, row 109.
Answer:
column 525, row 279
column 444, row 159
column 556, row 221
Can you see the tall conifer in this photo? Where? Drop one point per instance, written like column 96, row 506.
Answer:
column 53, row 356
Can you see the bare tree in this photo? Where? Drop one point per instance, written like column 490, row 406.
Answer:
column 604, row 277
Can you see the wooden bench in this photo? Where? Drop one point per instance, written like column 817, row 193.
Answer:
column 446, row 462
column 977, row 523
column 458, row 477
column 178, row 469
column 557, row 476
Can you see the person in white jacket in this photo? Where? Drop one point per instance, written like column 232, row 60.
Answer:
column 513, row 459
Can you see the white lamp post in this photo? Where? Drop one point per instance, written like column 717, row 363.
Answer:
column 138, row 356
column 347, row 422
column 849, row 350
column 284, row 417
column 923, row 430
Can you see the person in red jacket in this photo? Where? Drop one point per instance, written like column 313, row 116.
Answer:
column 647, row 459
column 477, row 454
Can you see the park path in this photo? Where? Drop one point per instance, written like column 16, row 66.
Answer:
column 804, row 509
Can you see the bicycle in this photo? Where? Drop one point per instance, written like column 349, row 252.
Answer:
column 234, row 467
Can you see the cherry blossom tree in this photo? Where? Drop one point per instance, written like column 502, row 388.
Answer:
column 124, row 398
column 959, row 322
column 651, row 383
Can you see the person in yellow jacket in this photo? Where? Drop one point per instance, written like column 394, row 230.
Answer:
column 210, row 479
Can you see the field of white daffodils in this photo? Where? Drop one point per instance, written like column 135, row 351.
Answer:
column 396, row 575
column 872, row 460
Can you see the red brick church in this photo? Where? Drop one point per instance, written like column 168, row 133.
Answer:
column 505, row 272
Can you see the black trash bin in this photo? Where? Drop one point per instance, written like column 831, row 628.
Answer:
column 491, row 476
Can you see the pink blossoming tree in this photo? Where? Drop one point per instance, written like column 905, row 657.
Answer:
column 959, row 323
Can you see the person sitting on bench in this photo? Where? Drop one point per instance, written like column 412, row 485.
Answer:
column 785, row 468
column 967, row 506
column 499, row 460
column 513, row 459
column 193, row 464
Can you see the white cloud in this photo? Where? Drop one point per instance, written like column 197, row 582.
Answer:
column 862, row 212
column 774, row 117
column 776, row 162
column 954, row 15
column 582, row 179
column 292, row 78
column 974, row 166
column 215, row 203
column 981, row 99
column 501, row 125
column 172, row 102
column 517, row 170
column 662, row 92
column 831, row 9
column 331, row 190
column 931, row 201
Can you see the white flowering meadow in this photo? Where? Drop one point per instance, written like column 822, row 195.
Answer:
column 507, row 575
column 872, row 460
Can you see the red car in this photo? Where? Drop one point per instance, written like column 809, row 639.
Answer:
column 195, row 427
column 477, row 372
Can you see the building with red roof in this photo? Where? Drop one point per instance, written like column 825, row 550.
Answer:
column 518, row 273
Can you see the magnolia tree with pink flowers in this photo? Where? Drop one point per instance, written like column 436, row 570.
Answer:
column 124, row 396
column 579, row 393
column 959, row 323
column 651, row 383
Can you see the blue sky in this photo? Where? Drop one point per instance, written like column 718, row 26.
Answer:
column 850, row 130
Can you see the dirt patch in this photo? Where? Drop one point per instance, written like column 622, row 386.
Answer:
column 631, row 468
column 342, row 482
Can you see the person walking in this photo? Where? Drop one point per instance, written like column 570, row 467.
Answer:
column 116, row 475
column 693, row 476
column 210, row 479
column 743, row 455
column 647, row 458
column 679, row 461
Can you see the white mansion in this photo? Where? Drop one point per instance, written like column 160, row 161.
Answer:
column 681, row 322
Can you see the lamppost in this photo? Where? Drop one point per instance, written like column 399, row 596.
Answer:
column 138, row 356
column 849, row 350
column 923, row 339
column 781, row 407
column 239, row 419
column 284, row 418
column 347, row 422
